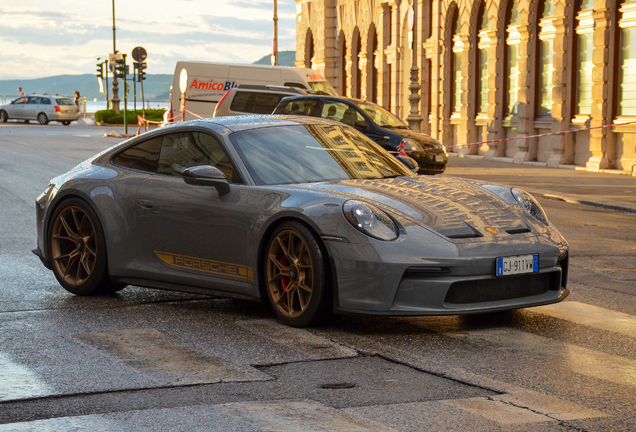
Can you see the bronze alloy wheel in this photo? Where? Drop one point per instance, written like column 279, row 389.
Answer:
column 74, row 246
column 290, row 274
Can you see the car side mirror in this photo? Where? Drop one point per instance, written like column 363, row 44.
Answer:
column 206, row 175
column 409, row 162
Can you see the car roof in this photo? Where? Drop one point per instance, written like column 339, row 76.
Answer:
column 247, row 122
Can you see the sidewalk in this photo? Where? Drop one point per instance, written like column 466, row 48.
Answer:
column 610, row 191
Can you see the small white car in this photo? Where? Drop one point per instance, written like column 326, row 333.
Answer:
column 43, row 108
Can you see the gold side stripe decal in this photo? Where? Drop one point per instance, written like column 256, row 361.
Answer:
column 207, row 266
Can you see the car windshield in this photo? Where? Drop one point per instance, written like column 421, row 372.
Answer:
column 313, row 153
column 381, row 116
column 323, row 86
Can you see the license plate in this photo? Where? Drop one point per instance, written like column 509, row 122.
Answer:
column 439, row 158
column 517, row 264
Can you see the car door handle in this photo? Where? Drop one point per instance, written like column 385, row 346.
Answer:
column 147, row 204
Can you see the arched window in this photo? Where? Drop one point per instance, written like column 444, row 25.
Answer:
column 627, row 60
column 456, row 66
column 584, row 64
column 309, row 49
column 343, row 67
column 512, row 58
column 356, row 70
column 374, row 66
column 482, row 60
column 545, row 56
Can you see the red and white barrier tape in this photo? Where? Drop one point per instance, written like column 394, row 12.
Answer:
column 542, row 135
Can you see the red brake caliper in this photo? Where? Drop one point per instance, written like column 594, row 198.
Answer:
column 284, row 280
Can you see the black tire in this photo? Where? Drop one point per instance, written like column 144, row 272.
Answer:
column 43, row 119
column 77, row 249
column 296, row 276
column 3, row 116
column 66, row 122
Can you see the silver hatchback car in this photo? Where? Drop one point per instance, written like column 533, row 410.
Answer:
column 43, row 108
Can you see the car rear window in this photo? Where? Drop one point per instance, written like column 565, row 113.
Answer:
column 45, row 101
column 64, row 101
column 255, row 102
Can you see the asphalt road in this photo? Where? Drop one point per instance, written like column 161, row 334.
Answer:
column 154, row 360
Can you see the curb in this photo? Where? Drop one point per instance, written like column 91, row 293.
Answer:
column 575, row 199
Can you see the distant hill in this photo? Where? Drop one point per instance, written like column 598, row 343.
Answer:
column 285, row 58
column 156, row 87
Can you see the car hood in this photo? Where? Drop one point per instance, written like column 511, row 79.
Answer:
column 425, row 140
column 453, row 207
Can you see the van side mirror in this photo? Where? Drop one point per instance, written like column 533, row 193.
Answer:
column 206, row 175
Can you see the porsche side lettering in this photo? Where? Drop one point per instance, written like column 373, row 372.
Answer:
column 208, row 266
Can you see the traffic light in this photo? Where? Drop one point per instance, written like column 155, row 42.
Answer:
column 100, row 70
column 142, row 70
column 120, row 68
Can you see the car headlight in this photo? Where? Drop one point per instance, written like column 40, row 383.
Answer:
column 370, row 220
column 531, row 205
column 410, row 144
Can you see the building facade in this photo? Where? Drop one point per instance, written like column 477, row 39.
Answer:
column 490, row 70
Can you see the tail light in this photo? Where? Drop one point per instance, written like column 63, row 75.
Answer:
column 219, row 103
column 57, row 108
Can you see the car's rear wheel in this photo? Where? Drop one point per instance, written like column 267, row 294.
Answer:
column 66, row 122
column 296, row 276
column 3, row 116
column 43, row 119
column 78, row 249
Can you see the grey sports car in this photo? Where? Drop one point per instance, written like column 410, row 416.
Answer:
column 302, row 212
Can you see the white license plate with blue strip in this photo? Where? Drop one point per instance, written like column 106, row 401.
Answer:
column 519, row 264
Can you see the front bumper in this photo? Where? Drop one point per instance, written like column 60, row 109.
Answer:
column 428, row 163
column 373, row 283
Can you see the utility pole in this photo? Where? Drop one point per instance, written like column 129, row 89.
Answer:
column 414, row 118
column 115, row 100
column 275, row 50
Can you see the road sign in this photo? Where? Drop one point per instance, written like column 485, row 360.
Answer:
column 183, row 80
column 139, row 54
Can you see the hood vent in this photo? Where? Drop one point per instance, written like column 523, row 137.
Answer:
column 462, row 232
column 518, row 230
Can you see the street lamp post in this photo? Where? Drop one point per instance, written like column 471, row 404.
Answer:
column 115, row 100
column 275, row 50
column 414, row 118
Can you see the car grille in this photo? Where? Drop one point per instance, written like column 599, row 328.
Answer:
column 502, row 288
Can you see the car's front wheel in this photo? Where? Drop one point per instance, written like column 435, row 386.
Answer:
column 3, row 116
column 78, row 249
column 43, row 119
column 296, row 276
column 66, row 122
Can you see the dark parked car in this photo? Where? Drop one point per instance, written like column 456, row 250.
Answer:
column 375, row 122
column 305, row 213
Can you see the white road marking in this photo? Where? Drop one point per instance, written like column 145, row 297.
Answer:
column 619, row 370
column 156, row 353
column 497, row 411
column 592, row 316
column 301, row 415
column 17, row 382
column 313, row 346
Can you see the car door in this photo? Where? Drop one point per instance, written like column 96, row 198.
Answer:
column 17, row 110
column 31, row 108
column 193, row 234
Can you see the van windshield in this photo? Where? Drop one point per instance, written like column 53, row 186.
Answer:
column 323, row 86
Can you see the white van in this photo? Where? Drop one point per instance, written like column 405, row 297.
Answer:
column 208, row 82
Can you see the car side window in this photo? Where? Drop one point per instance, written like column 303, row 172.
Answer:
column 20, row 101
column 187, row 149
column 343, row 113
column 255, row 102
column 45, row 101
column 143, row 156
column 306, row 107
column 33, row 100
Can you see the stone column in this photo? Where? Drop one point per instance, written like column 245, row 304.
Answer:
column 525, row 116
column 462, row 129
column 600, row 91
column 560, row 109
column 490, row 41
column 325, row 34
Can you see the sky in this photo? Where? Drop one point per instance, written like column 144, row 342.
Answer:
column 41, row 38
